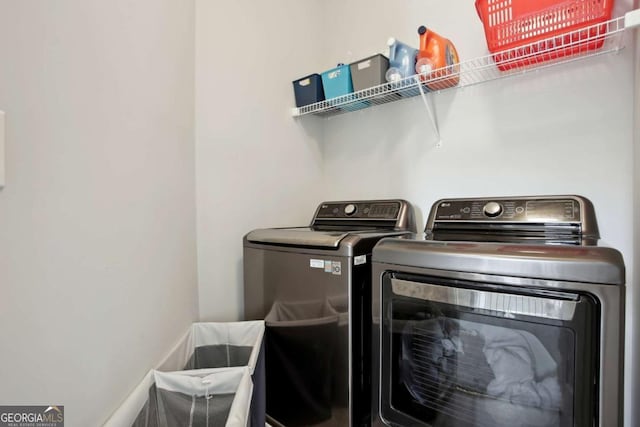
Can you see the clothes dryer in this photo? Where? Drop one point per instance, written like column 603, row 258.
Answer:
column 506, row 313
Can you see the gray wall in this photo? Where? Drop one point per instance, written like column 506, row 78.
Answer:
column 256, row 165
column 633, row 303
column 97, row 221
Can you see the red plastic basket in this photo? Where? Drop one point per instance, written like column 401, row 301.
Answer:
column 520, row 33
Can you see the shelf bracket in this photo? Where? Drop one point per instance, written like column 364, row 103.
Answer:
column 632, row 19
column 431, row 110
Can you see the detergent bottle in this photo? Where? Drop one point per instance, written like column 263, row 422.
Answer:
column 437, row 59
column 402, row 60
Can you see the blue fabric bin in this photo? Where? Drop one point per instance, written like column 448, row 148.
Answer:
column 308, row 90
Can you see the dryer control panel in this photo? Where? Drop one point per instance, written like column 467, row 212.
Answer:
column 553, row 218
column 520, row 210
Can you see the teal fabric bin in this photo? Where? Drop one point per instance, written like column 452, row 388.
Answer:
column 337, row 82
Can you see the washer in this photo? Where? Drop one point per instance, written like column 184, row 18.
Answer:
column 312, row 285
column 507, row 312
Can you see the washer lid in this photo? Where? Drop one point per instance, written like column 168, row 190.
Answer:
column 298, row 236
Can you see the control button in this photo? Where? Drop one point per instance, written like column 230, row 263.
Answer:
column 336, row 210
column 350, row 209
column 492, row 209
column 519, row 210
column 466, row 210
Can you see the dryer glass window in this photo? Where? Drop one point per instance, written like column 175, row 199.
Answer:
column 460, row 354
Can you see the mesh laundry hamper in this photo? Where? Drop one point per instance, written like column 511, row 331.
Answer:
column 148, row 416
column 217, row 345
column 232, row 344
column 204, row 398
column 300, row 346
column 340, row 368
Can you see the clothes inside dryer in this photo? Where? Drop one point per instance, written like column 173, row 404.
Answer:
column 450, row 365
column 509, row 370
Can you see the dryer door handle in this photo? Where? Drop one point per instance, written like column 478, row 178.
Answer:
column 505, row 303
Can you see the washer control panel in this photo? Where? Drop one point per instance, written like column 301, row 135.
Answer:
column 509, row 210
column 359, row 210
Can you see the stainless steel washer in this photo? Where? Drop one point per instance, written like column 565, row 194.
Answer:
column 312, row 285
column 506, row 313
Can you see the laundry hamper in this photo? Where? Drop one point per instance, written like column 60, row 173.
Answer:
column 204, row 398
column 340, row 364
column 215, row 345
column 232, row 344
column 301, row 339
column 148, row 415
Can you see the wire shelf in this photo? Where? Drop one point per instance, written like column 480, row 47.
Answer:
column 559, row 49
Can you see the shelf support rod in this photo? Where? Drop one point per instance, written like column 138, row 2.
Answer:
column 430, row 110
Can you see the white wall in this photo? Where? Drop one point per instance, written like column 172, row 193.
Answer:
column 634, row 298
column 97, row 221
column 562, row 130
column 256, row 166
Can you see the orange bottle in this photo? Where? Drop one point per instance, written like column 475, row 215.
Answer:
column 437, row 59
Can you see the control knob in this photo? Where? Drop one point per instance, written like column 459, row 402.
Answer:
column 350, row 209
column 492, row 209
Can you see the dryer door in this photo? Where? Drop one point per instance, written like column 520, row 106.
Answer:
column 457, row 353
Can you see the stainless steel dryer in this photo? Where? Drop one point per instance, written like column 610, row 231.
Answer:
column 506, row 314
column 312, row 285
